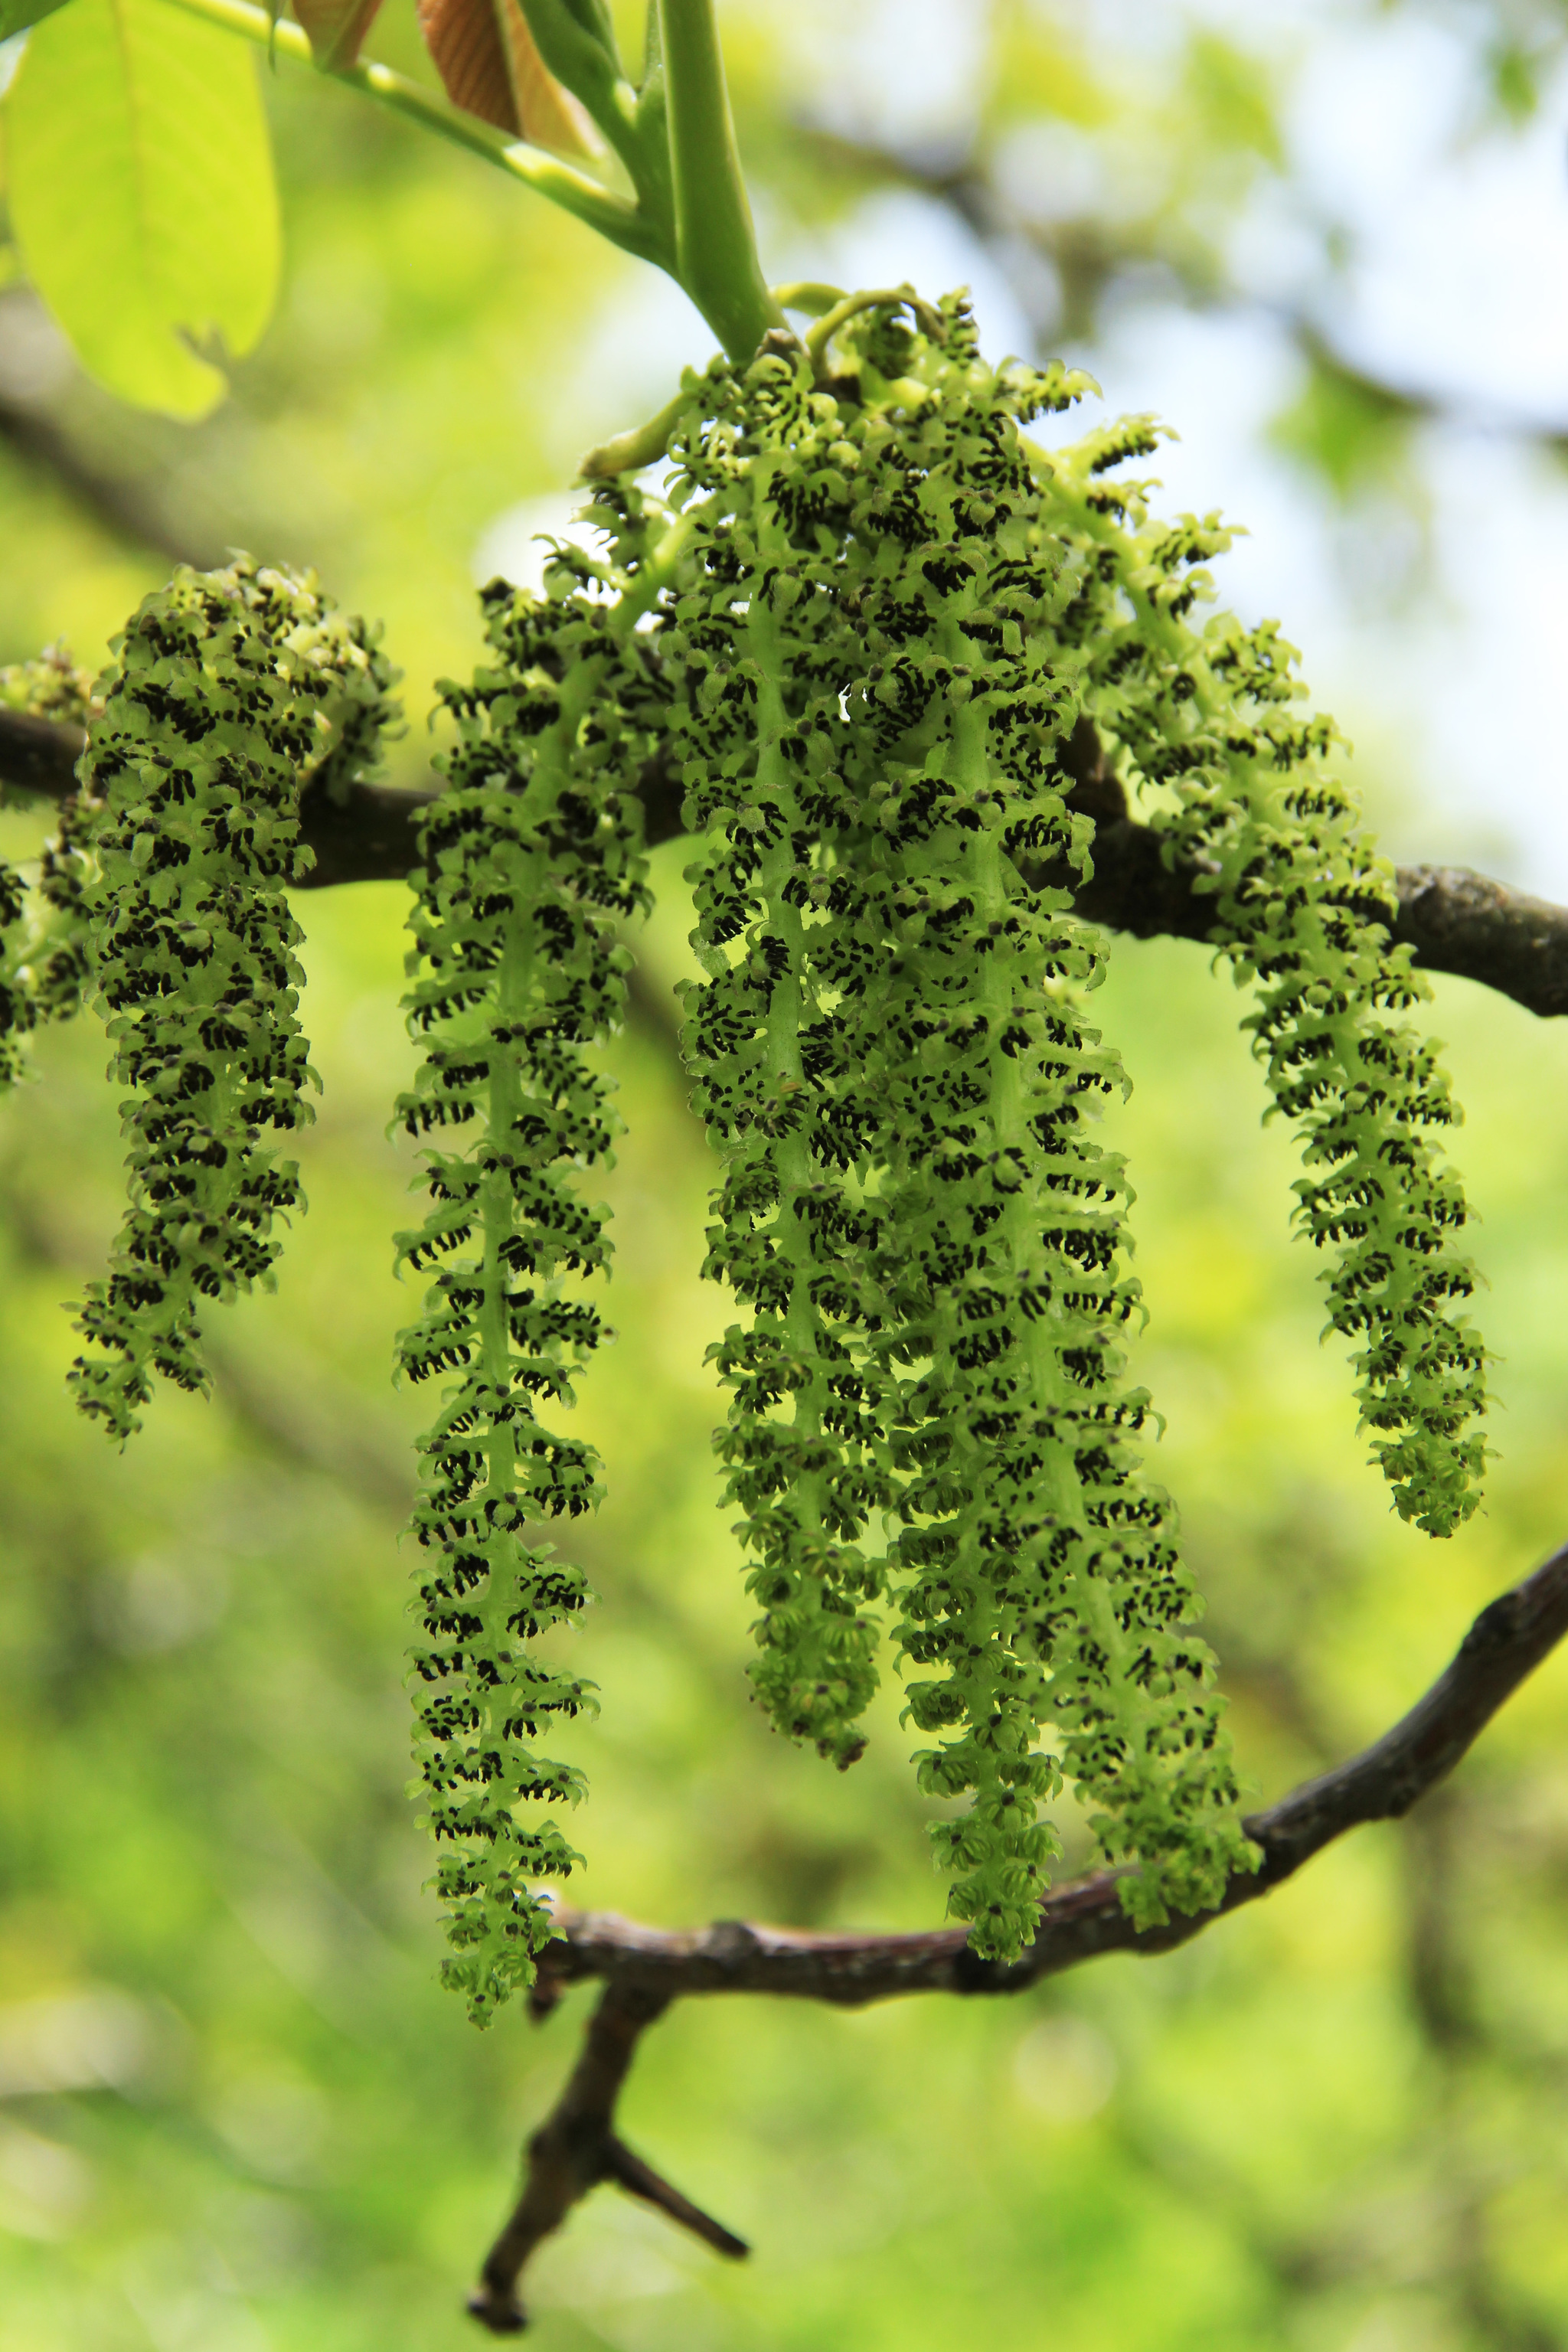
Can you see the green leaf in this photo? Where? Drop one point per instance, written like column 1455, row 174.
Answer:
column 142, row 195
column 16, row 16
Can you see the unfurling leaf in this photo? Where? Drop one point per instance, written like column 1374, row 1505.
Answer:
column 142, row 195
column 336, row 28
column 551, row 116
column 490, row 66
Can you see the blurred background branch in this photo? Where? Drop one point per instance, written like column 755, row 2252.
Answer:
column 122, row 508
column 1068, row 273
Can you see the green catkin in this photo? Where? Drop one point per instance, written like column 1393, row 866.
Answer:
column 940, row 1240
column 1304, row 909
column 43, row 927
column 533, row 861
column 43, row 948
column 754, row 639
column 233, row 690
column 894, row 616
column 18, row 999
column 1039, row 1567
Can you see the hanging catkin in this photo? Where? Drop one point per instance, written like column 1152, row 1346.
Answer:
column 1304, row 909
column 897, row 616
column 864, row 628
column 752, row 640
column 532, row 860
column 233, row 691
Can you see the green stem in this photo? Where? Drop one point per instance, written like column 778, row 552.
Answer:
column 582, row 63
column 715, row 251
column 715, row 244
column 886, row 298
column 640, row 447
column 573, row 191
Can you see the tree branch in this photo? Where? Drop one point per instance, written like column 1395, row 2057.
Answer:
column 575, row 2149
column 646, row 1969
column 1455, row 920
column 1080, row 1921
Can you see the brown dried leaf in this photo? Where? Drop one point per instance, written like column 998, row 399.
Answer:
column 335, row 28
column 489, row 67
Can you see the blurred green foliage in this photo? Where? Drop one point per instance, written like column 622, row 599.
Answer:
column 236, row 2111
column 1351, row 430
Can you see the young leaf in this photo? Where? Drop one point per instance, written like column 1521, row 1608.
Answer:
column 490, row 67
column 142, row 195
column 335, row 28
column 576, row 44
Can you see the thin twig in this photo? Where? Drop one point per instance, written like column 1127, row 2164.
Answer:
column 575, row 2149
column 639, row 2179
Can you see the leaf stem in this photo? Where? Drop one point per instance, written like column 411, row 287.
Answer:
column 715, row 244
column 711, row 248
column 574, row 192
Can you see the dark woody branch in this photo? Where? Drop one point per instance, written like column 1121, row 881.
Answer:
column 575, row 2148
column 38, row 755
column 1080, row 1921
column 1455, row 922
column 646, row 1969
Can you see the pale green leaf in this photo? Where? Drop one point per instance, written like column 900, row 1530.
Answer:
column 141, row 194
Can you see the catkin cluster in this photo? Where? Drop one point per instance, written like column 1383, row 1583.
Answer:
column 862, row 628
column 233, row 692
column 533, row 861
column 51, row 686
column 873, row 707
